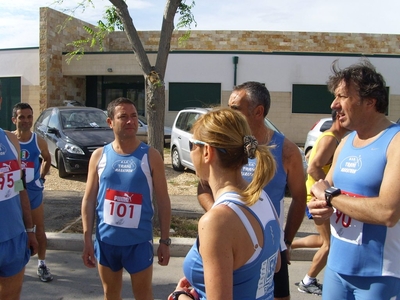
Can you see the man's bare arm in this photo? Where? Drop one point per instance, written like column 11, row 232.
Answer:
column 46, row 158
column 204, row 195
column 324, row 153
column 296, row 183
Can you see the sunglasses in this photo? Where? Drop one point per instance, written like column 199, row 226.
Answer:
column 200, row 143
column 195, row 142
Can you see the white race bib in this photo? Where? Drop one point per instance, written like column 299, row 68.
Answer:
column 11, row 174
column 122, row 209
column 346, row 229
column 29, row 168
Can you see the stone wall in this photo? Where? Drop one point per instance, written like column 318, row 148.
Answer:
column 268, row 41
column 55, row 35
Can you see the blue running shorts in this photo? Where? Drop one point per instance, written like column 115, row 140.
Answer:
column 134, row 258
column 14, row 255
column 347, row 287
column 35, row 198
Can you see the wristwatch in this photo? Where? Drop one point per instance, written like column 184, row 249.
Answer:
column 33, row 229
column 330, row 193
column 166, row 241
column 176, row 294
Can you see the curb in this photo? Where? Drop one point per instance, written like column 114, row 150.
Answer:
column 179, row 247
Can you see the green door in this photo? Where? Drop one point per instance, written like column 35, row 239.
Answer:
column 10, row 91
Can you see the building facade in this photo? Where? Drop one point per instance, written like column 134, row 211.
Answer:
column 293, row 65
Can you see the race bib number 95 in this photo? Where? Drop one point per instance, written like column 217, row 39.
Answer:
column 11, row 174
column 122, row 209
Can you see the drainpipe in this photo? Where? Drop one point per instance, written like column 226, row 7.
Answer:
column 235, row 62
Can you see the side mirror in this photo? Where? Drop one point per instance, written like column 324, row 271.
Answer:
column 52, row 130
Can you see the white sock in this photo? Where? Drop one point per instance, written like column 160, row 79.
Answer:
column 41, row 262
column 307, row 279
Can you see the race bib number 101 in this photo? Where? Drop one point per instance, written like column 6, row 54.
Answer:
column 122, row 209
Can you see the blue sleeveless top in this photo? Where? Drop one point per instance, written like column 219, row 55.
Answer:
column 124, row 201
column 370, row 250
column 11, row 220
column 30, row 153
column 254, row 280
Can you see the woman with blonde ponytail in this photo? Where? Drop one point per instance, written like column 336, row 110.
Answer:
column 237, row 249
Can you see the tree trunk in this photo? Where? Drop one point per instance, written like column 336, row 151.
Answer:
column 155, row 101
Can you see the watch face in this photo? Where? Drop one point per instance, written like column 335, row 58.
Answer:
column 333, row 191
column 166, row 241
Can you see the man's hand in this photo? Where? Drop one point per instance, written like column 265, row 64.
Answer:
column 163, row 255
column 318, row 189
column 32, row 243
column 88, row 256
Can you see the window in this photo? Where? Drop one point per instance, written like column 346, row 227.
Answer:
column 182, row 95
column 308, row 98
column 10, row 91
column 313, row 99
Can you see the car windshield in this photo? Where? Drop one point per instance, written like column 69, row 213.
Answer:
column 73, row 119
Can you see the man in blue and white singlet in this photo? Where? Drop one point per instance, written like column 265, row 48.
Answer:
column 121, row 180
column 361, row 193
column 32, row 147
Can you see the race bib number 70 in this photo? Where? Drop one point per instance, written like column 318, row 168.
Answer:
column 122, row 209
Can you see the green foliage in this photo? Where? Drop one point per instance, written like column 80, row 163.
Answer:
column 186, row 20
column 112, row 21
column 96, row 35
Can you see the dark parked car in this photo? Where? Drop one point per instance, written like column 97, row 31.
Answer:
column 72, row 134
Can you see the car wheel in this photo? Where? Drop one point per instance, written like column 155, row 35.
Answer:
column 176, row 160
column 61, row 166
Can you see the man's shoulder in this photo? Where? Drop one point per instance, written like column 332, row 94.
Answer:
column 289, row 146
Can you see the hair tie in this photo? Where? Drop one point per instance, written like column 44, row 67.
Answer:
column 250, row 145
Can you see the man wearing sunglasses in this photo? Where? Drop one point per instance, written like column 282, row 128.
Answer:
column 253, row 100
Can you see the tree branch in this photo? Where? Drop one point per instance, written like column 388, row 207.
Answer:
column 167, row 29
column 132, row 35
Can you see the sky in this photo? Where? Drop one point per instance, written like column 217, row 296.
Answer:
column 19, row 19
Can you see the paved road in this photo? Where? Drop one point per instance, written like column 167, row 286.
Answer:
column 72, row 280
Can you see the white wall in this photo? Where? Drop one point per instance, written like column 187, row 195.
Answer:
column 23, row 63
column 278, row 72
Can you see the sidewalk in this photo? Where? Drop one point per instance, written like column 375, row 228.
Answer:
column 72, row 280
column 67, row 204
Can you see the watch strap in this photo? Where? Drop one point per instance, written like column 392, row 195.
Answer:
column 33, row 229
column 328, row 199
column 165, row 241
column 176, row 294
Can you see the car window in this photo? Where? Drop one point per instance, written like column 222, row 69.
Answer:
column 190, row 121
column 326, row 125
column 44, row 118
column 54, row 122
column 181, row 121
column 72, row 119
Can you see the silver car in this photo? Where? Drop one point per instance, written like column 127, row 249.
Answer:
column 180, row 136
column 316, row 130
